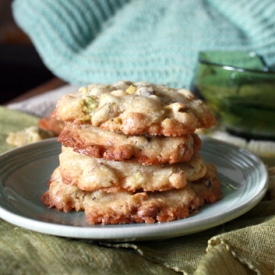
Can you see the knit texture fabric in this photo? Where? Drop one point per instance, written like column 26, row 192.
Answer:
column 103, row 41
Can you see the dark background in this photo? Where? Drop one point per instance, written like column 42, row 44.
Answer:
column 21, row 68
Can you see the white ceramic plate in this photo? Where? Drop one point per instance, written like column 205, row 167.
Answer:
column 24, row 173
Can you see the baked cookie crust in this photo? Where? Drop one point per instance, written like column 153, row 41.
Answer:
column 124, row 207
column 91, row 174
column 148, row 150
column 138, row 108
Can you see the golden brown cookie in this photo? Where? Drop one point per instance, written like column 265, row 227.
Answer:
column 136, row 109
column 208, row 188
column 99, row 143
column 91, row 174
column 51, row 124
column 123, row 207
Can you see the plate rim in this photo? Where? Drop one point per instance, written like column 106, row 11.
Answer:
column 114, row 232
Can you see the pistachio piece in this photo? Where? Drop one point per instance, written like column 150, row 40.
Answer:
column 131, row 89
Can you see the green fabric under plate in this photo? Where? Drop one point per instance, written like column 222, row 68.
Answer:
column 242, row 246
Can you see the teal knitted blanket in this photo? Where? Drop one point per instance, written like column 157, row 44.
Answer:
column 102, row 41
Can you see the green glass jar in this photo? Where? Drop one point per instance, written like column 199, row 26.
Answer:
column 240, row 91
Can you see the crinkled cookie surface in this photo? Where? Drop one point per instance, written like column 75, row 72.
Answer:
column 136, row 109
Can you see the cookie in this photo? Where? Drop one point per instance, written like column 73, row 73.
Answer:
column 208, row 188
column 147, row 150
column 136, row 109
column 124, row 207
column 91, row 174
column 51, row 124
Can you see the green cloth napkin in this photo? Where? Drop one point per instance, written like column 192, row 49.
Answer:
column 242, row 246
column 103, row 41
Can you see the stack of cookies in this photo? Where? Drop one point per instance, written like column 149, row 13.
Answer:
column 130, row 154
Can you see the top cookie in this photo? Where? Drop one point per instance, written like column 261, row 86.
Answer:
column 136, row 109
